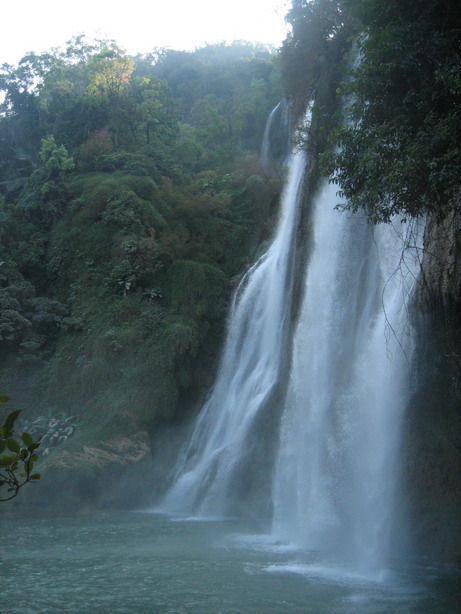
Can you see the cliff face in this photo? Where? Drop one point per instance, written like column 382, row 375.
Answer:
column 433, row 432
column 441, row 274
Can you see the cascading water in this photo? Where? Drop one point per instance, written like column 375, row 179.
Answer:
column 276, row 139
column 337, row 467
column 212, row 467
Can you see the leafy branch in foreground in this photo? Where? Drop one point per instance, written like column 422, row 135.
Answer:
column 17, row 457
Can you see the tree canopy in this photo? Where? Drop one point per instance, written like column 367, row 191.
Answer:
column 395, row 146
column 399, row 148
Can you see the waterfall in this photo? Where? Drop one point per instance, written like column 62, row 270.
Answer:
column 337, row 466
column 276, row 139
column 214, row 466
column 333, row 471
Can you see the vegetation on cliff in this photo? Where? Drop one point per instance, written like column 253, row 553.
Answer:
column 399, row 148
column 131, row 198
column 394, row 148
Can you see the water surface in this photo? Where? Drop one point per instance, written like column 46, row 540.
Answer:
column 144, row 563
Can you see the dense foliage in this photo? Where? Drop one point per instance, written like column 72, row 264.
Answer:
column 131, row 198
column 396, row 148
column 316, row 40
column 400, row 151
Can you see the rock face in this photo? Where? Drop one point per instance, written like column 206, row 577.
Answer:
column 441, row 274
column 119, row 451
column 110, row 474
column 433, row 430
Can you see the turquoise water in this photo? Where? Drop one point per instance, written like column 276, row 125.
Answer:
column 140, row 563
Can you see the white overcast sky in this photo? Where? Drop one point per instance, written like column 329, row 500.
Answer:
column 138, row 25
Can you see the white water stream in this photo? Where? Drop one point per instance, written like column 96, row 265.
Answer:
column 276, row 139
column 337, row 463
column 248, row 375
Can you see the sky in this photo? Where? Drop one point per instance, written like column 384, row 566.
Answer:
column 138, row 25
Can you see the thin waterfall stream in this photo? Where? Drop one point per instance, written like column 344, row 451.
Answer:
column 249, row 373
column 334, row 462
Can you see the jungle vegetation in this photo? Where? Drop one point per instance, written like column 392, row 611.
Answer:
column 131, row 200
column 394, row 146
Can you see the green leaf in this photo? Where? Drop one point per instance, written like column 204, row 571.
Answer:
column 4, row 398
column 2, row 445
column 27, row 440
column 35, row 476
column 9, row 422
column 13, row 445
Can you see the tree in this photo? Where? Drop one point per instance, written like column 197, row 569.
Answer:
column 46, row 188
column 17, row 457
column 55, row 159
column 315, row 25
column 398, row 150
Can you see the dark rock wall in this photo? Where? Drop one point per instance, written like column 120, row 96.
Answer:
column 432, row 441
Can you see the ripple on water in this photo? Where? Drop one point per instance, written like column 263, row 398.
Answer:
column 147, row 564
